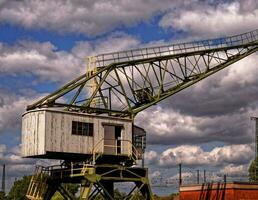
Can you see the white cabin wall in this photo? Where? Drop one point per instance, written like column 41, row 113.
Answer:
column 33, row 134
column 51, row 131
column 127, row 135
column 59, row 134
column 41, row 127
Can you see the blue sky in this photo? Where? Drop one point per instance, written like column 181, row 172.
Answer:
column 43, row 44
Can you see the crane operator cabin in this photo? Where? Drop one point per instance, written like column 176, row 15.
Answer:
column 58, row 134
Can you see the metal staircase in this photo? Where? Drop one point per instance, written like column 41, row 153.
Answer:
column 46, row 181
column 38, row 184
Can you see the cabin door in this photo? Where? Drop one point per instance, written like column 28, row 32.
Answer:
column 112, row 139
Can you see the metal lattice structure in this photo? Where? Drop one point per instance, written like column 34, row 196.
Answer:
column 125, row 83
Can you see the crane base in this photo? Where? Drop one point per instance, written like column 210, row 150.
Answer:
column 95, row 181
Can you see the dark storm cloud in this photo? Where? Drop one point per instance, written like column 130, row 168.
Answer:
column 213, row 100
column 166, row 126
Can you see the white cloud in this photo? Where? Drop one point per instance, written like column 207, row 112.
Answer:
column 155, row 174
column 162, row 122
column 151, row 157
column 185, row 154
column 2, row 148
column 87, row 17
column 11, row 110
column 234, row 170
column 48, row 64
column 232, row 154
column 248, row 5
column 10, row 157
column 209, row 20
column 243, row 73
column 40, row 59
column 118, row 41
column 194, row 155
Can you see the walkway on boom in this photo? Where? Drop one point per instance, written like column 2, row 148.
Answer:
column 248, row 38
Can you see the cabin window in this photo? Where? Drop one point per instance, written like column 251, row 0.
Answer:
column 139, row 141
column 82, row 128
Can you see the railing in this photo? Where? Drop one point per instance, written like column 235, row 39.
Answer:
column 80, row 168
column 173, row 49
column 37, row 186
column 99, row 148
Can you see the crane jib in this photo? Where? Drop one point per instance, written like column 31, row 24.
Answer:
column 125, row 83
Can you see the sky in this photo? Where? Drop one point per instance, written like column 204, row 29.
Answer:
column 44, row 44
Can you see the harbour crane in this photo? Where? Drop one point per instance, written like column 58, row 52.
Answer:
column 89, row 122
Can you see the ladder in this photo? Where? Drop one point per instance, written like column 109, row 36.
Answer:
column 38, row 184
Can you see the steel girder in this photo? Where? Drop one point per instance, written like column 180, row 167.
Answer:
column 131, row 81
column 96, row 181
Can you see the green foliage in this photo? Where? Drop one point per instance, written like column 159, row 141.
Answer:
column 71, row 188
column 19, row 189
column 57, row 196
column 2, row 195
column 117, row 195
column 174, row 196
column 253, row 170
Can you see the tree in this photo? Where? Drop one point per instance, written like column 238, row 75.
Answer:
column 71, row 188
column 2, row 195
column 19, row 189
column 253, row 170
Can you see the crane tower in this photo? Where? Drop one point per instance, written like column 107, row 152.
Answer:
column 89, row 122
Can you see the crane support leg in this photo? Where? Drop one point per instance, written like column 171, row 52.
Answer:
column 66, row 194
column 96, row 181
column 85, row 190
column 104, row 177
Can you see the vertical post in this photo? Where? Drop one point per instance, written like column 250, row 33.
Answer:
column 180, row 174
column 225, row 178
column 143, row 159
column 204, row 176
column 143, row 151
column 3, row 179
column 198, row 176
column 256, row 147
column 109, row 98
column 255, row 135
column 72, row 168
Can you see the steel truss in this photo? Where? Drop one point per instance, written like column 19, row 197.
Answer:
column 124, row 84
column 95, row 181
column 131, row 81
